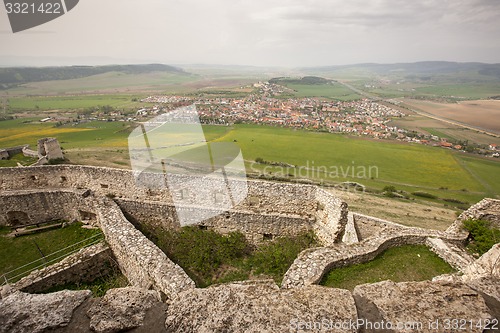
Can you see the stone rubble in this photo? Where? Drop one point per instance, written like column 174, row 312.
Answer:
column 21, row 312
column 121, row 309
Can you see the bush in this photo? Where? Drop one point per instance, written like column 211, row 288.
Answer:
column 482, row 236
column 424, row 195
column 209, row 257
column 455, row 201
column 275, row 258
column 390, row 189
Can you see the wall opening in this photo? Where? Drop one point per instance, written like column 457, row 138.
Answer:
column 87, row 216
column 63, row 179
column 104, row 185
column 267, row 236
column 16, row 218
column 33, row 177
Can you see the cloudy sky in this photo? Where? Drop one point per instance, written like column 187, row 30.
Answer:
column 261, row 32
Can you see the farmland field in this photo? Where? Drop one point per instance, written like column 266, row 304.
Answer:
column 323, row 156
column 331, row 158
column 110, row 82
column 73, row 102
column 480, row 114
column 332, row 91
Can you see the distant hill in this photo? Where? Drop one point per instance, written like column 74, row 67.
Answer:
column 13, row 76
column 422, row 70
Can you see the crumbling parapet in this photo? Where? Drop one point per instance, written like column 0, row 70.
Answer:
column 312, row 264
column 50, row 148
column 486, row 209
column 331, row 217
column 140, row 260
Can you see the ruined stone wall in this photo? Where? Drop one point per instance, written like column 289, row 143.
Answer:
column 19, row 208
column 4, row 155
column 49, row 147
column 140, row 260
column 11, row 151
column 331, row 217
column 312, row 264
column 486, row 209
column 86, row 265
column 269, row 210
column 30, row 153
column 255, row 226
column 263, row 197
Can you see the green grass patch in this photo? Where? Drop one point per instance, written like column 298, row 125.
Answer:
column 18, row 251
column 74, row 102
column 482, row 236
column 98, row 287
column 339, row 158
column 330, row 90
column 209, row 257
column 398, row 264
column 18, row 158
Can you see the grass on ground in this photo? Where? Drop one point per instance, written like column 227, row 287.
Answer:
column 209, row 257
column 331, row 90
column 18, row 158
column 98, row 287
column 398, row 264
column 18, row 251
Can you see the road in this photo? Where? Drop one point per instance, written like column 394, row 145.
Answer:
column 420, row 112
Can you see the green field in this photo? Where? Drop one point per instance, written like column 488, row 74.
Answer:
column 323, row 157
column 462, row 91
column 331, row 90
column 405, row 263
column 109, row 82
column 19, row 251
column 74, row 102
column 408, row 167
column 433, row 91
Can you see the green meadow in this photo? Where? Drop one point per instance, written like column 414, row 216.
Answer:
column 398, row 264
column 331, row 90
column 322, row 157
column 73, row 102
column 334, row 158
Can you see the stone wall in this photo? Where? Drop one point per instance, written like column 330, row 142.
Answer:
column 486, row 209
column 331, row 217
column 140, row 260
column 263, row 197
column 269, row 210
column 86, row 265
column 4, row 155
column 312, row 264
column 11, row 151
column 50, row 148
column 256, row 227
column 19, row 208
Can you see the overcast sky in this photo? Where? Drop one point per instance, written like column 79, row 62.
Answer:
column 262, row 32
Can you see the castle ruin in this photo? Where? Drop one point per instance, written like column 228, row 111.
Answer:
column 111, row 200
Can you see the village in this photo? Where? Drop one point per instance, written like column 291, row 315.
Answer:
column 267, row 106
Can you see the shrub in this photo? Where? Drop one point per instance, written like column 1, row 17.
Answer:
column 424, row 195
column 455, row 201
column 209, row 257
column 482, row 235
column 389, row 189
